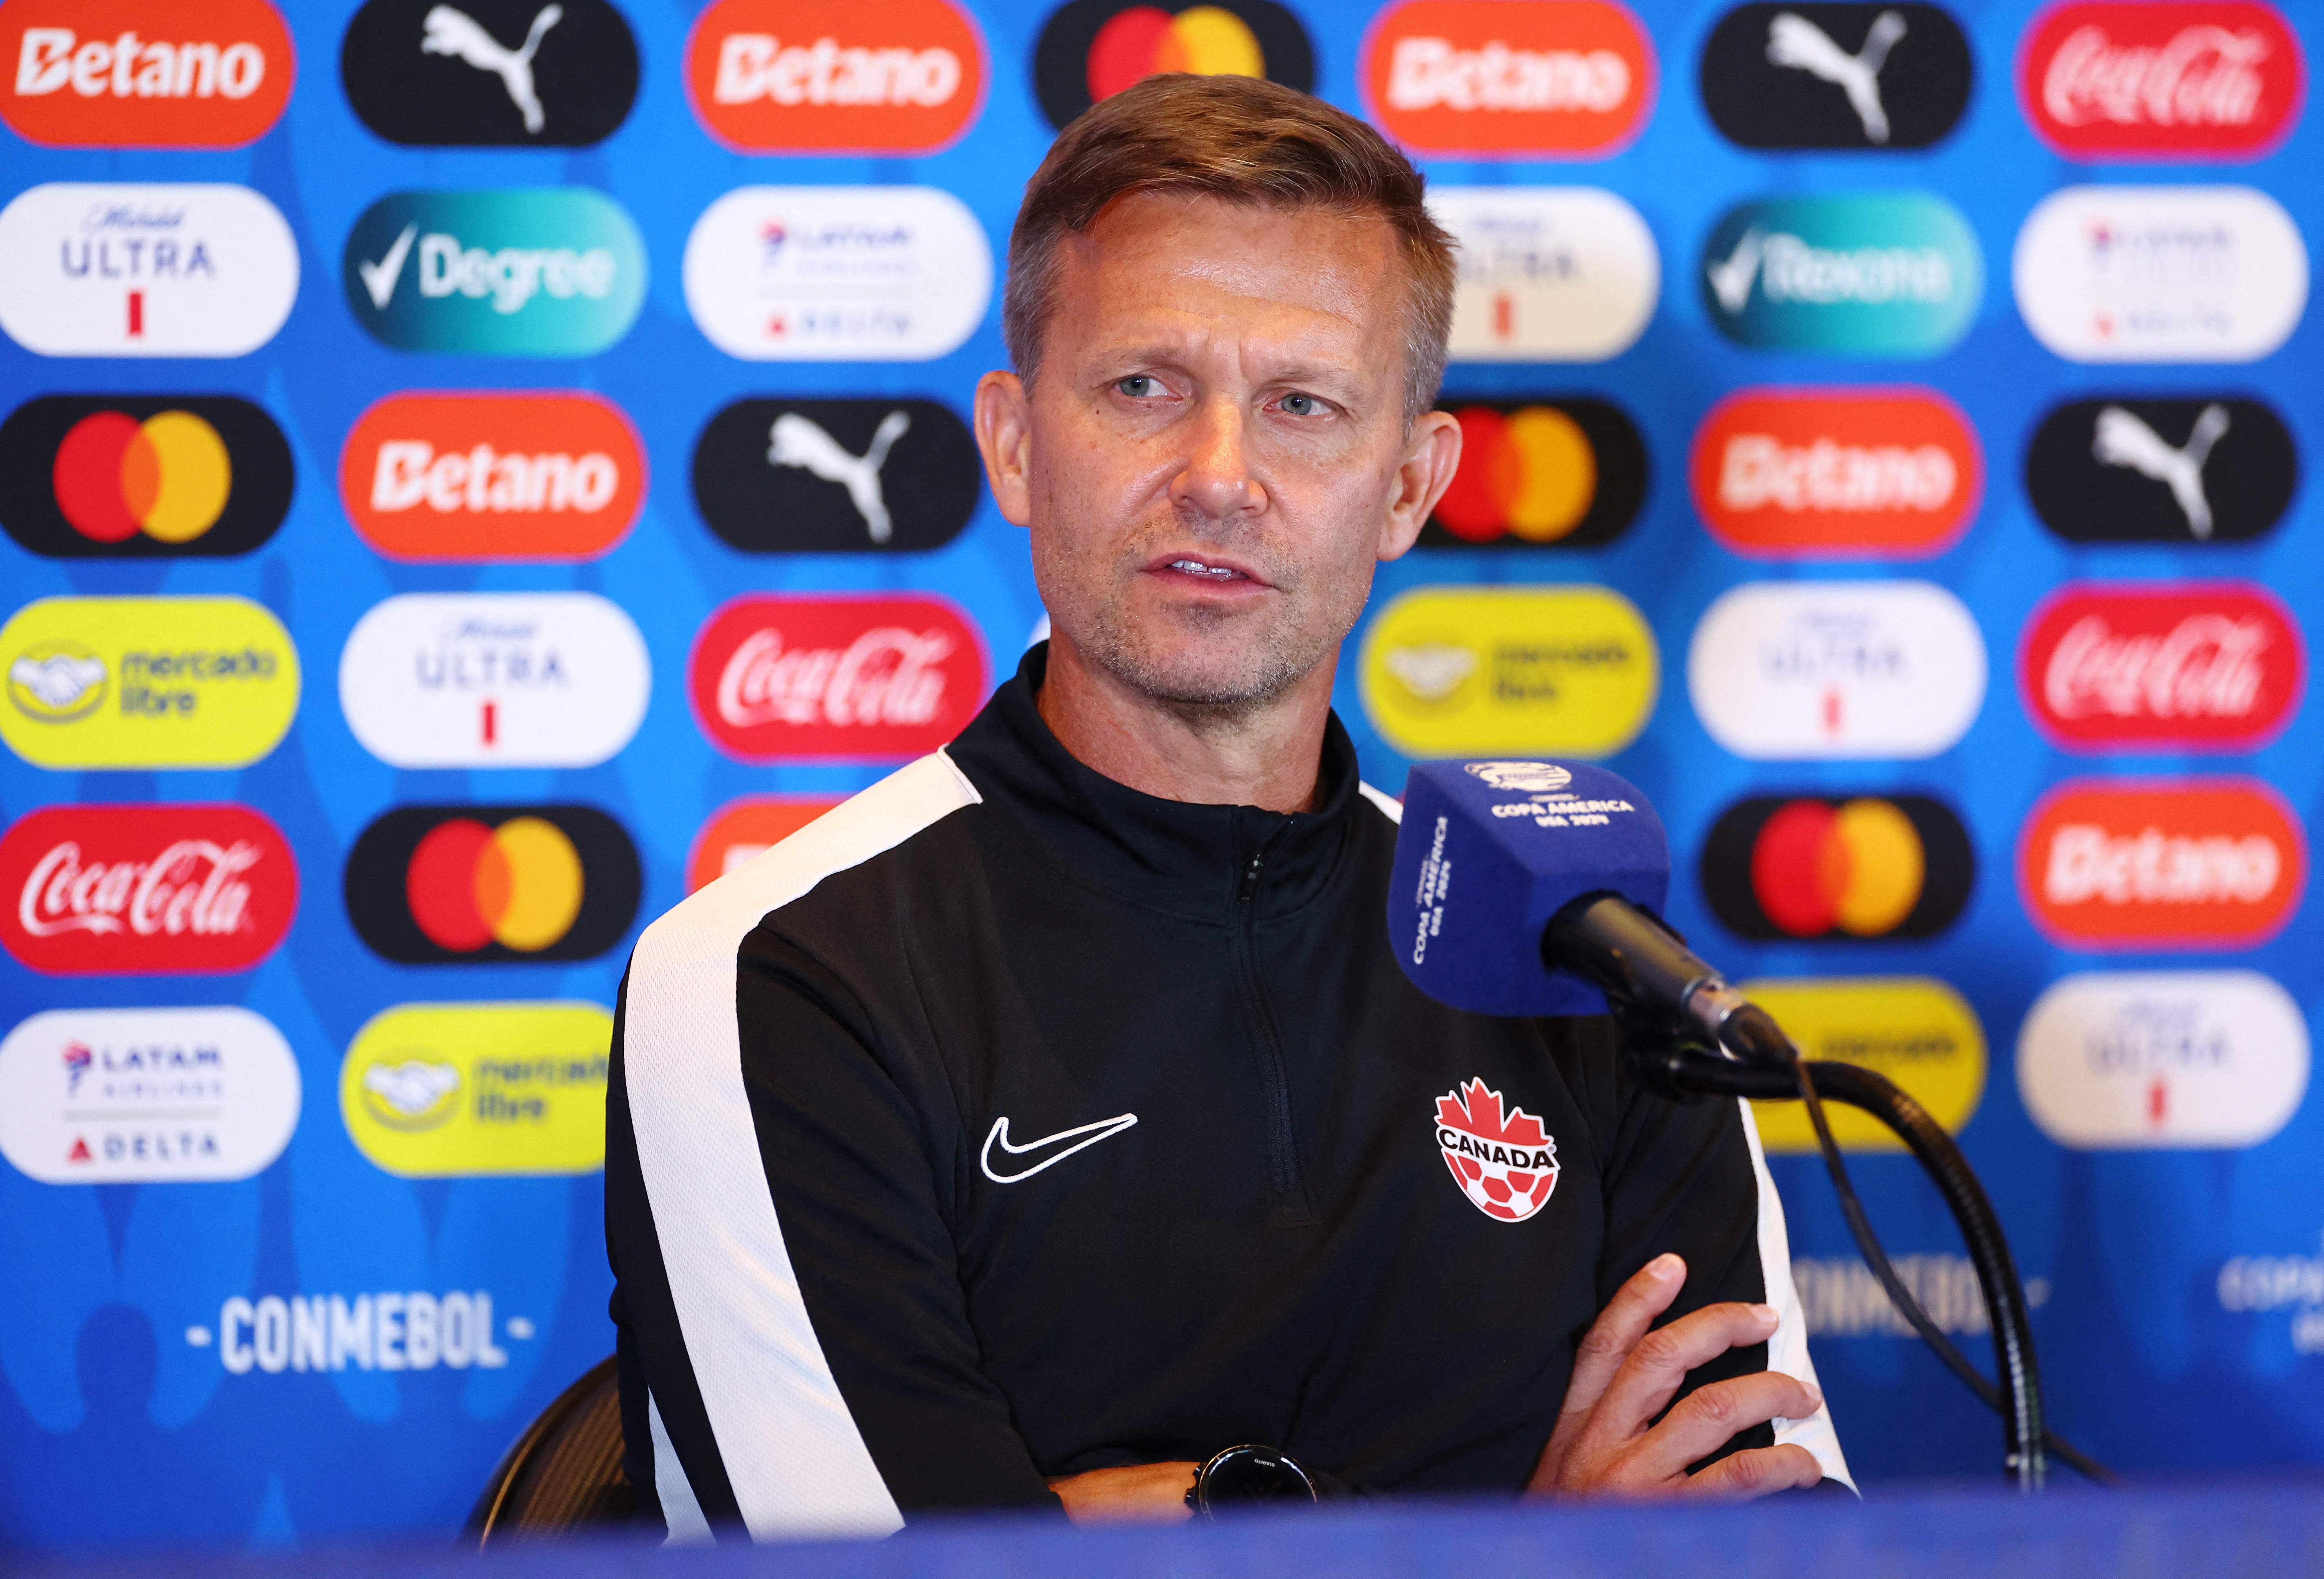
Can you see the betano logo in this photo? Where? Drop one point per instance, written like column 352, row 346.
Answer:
column 492, row 884
column 1873, row 274
column 1528, row 79
column 504, row 475
column 798, row 77
column 1547, row 273
column 1776, row 867
column 2179, row 665
column 2166, row 864
column 1537, row 472
column 519, row 272
column 137, row 477
column 1833, row 473
column 2171, row 470
column 1814, row 74
column 439, row 1090
column 836, row 476
column 490, row 73
column 1090, row 50
column 144, row 73
column 2210, row 80
column 741, row 831
column 1451, row 671
column 147, row 682
column 1914, row 1029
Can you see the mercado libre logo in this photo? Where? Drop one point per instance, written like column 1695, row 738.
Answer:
column 2209, row 81
column 2174, row 666
column 741, row 831
column 2129, row 468
column 141, row 476
column 492, row 884
column 2161, row 865
column 490, row 73
column 1568, row 472
column 144, row 73
column 836, row 476
column 145, row 889
column 1819, row 75
column 517, row 272
column 1916, row 1031
column 1824, row 472
column 1509, row 77
column 146, row 682
column 1873, row 274
column 1813, row 867
column 1090, row 50
column 801, row 76
column 440, row 1090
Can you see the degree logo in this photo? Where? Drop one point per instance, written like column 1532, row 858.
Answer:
column 1916, row 1029
column 2210, row 80
column 1818, row 75
column 1547, row 273
column 1777, row 868
column 1525, row 79
column 490, row 73
column 2188, row 666
column 112, row 269
column 1879, row 274
column 144, row 74
column 796, row 77
column 1453, row 671
column 1539, row 472
column 2132, row 469
column 520, row 271
column 140, row 476
column 2169, row 864
column 492, row 884
column 1826, row 473
column 443, row 1089
column 741, row 831
column 836, row 476
column 146, row 682
column 492, row 477
column 1090, row 50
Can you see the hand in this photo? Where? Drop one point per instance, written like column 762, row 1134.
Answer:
column 1138, row 1494
column 1625, row 1373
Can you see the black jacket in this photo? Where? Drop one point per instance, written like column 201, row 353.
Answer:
column 1008, row 1122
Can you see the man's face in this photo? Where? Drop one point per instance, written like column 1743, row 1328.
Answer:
column 1214, row 455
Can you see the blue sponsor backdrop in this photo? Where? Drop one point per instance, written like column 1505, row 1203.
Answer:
column 114, row 1426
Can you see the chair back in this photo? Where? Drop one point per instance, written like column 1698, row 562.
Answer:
column 565, row 1473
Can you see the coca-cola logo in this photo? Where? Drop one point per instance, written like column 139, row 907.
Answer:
column 2218, row 79
column 136, row 889
column 783, row 676
column 2195, row 864
column 2202, row 666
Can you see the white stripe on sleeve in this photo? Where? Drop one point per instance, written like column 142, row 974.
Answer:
column 1787, row 1351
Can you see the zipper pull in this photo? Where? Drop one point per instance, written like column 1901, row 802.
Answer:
column 1251, row 876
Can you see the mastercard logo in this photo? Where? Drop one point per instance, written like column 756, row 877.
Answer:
column 167, row 476
column 1778, row 868
column 1091, row 50
column 85, row 476
column 493, row 884
column 1567, row 471
column 742, row 830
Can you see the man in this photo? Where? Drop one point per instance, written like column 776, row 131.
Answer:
column 1053, row 1114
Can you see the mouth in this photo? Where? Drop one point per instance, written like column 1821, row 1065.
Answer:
column 1205, row 570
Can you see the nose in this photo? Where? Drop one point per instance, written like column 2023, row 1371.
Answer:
column 1215, row 481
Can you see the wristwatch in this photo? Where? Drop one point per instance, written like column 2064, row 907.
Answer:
column 1247, row 1475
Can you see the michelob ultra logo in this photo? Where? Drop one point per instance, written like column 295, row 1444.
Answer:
column 2185, row 666
column 1501, row 77
column 1814, row 74
column 183, row 888
column 1874, row 274
column 503, row 475
column 141, row 476
column 741, row 831
column 1837, row 669
column 1914, row 1029
column 492, row 884
column 147, row 682
column 113, row 269
column 490, row 73
column 2161, row 274
column 2122, row 1060
column 2176, row 470
column 517, row 271
column 1090, row 50
column 1547, row 273
column 1569, row 472
column 144, row 74
column 2186, row 864
column 836, row 476
column 796, row 77
column 1887, row 473
column 1450, row 671
column 431, row 1090
column 2198, row 80
column 1810, row 866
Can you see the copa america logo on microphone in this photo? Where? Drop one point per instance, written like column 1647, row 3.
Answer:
column 1538, row 778
column 1546, row 802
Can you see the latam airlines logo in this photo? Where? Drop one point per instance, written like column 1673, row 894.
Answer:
column 448, row 1090
column 1879, row 275
column 836, row 476
column 1815, row 74
column 1531, row 78
column 112, row 269
column 140, row 74
column 795, row 77
column 490, row 73
column 2178, row 470
column 492, row 884
column 141, row 476
column 1547, row 273
column 1498, row 1154
column 1090, row 50
column 2192, row 666
column 1871, row 472
column 784, row 677
column 2190, row 863
column 145, row 889
column 2209, row 79
column 1568, row 472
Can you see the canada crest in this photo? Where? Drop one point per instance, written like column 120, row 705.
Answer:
column 1500, row 1157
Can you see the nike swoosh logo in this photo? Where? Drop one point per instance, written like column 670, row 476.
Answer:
column 379, row 278
column 1730, row 281
column 1083, row 1136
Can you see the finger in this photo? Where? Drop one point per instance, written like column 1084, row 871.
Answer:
column 1626, row 1318
column 1658, row 1363
column 1706, row 1417
column 1755, row 1473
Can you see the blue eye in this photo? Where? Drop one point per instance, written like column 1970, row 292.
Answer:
column 1136, row 386
column 1301, row 405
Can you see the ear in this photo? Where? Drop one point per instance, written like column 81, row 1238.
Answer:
column 1431, row 457
column 1004, row 436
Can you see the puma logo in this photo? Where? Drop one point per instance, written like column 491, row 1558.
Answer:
column 795, row 441
column 1794, row 41
column 2122, row 439
column 447, row 31
column 1083, row 1136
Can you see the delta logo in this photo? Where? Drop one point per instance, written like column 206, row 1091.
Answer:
column 2203, row 79
column 1503, row 1160
column 1547, row 273
column 2177, row 469
column 492, row 884
column 505, row 476
column 1833, row 473
column 143, row 476
column 1816, row 74
column 741, row 831
column 836, row 476
column 1502, row 78
column 1090, row 50
column 1817, row 868
column 145, row 889
column 791, row 677
column 2190, row 666
column 490, row 73
column 1916, row 1031
column 1565, row 472
column 144, row 74
column 452, row 1089
column 1873, row 274
column 2171, row 864
column 796, row 77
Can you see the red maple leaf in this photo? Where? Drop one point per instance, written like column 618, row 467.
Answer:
column 1475, row 1109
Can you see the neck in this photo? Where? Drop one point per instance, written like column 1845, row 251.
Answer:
column 1268, row 755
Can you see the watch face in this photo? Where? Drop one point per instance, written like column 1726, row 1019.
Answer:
column 1250, row 1474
